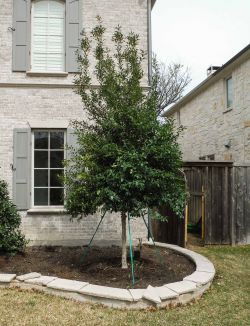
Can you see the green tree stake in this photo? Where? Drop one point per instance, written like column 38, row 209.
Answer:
column 90, row 242
column 131, row 252
column 151, row 237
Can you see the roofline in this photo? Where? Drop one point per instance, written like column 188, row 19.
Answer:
column 208, row 81
column 153, row 3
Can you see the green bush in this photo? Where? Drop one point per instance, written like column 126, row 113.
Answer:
column 11, row 239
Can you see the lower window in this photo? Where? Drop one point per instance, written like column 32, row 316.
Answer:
column 48, row 170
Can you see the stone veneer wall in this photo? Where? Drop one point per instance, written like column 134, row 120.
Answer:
column 209, row 126
column 26, row 98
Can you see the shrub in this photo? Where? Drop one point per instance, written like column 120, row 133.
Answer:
column 11, row 238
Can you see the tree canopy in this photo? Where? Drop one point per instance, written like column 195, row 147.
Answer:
column 169, row 82
column 126, row 160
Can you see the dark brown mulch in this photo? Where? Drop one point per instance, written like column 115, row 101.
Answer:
column 101, row 265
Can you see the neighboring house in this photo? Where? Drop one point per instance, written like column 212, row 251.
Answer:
column 216, row 114
column 38, row 39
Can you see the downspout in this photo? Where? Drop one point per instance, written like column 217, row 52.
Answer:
column 149, row 37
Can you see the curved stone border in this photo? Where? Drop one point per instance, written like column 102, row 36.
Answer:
column 172, row 294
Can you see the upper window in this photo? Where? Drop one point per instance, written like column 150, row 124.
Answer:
column 229, row 92
column 48, row 36
column 48, row 169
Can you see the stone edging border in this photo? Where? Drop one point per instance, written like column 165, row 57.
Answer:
column 172, row 294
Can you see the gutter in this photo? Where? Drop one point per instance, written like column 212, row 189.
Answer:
column 153, row 3
column 149, row 39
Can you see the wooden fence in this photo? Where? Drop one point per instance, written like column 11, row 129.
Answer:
column 210, row 181
column 219, row 197
column 241, row 204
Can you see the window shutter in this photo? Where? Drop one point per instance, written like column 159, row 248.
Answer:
column 71, row 142
column 21, row 168
column 73, row 30
column 21, row 35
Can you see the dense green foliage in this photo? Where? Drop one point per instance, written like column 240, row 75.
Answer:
column 126, row 160
column 11, row 239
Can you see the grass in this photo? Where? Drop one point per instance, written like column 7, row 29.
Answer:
column 226, row 303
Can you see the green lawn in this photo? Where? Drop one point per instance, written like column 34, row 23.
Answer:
column 226, row 303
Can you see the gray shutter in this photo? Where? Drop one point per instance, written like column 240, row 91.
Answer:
column 21, row 35
column 73, row 29
column 21, row 168
column 71, row 142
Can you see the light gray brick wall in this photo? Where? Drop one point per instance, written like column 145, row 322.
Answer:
column 24, row 98
column 208, row 127
column 131, row 15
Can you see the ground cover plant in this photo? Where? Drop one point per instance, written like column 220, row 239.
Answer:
column 126, row 160
column 11, row 239
column 225, row 304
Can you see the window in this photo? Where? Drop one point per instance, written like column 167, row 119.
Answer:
column 178, row 117
column 48, row 170
column 207, row 157
column 211, row 157
column 229, row 92
column 48, row 36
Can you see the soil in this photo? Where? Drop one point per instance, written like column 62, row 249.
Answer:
column 102, row 266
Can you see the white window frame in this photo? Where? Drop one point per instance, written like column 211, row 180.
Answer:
column 178, row 117
column 228, row 107
column 31, row 42
column 33, row 206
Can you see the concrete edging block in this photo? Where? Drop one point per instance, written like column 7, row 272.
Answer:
column 7, row 278
column 106, row 292
column 199, row 277
column 28, row 276
column 66, row 285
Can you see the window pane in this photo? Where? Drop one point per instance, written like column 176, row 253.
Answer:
column 41, row 159
column 41, row 197
column 56, row 178
column 41, row 8
column 41, row 178
column 56, row 159
column 229, row 92
column 41, row 140
column 56, row 9
column 48, row 35
column 56, row 196
column 57, row 140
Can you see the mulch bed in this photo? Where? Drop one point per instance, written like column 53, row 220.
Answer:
column 102, row 266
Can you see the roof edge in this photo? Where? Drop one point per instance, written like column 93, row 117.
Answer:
column 153, row 3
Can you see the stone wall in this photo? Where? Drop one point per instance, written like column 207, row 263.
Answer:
column 209, row 125
column 25, row 98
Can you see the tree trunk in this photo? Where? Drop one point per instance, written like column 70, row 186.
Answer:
column 124, row 241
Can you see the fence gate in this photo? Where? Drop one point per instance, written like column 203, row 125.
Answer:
column 195, row 208
column 210, row 203
column 218, row 205
column 209, row 206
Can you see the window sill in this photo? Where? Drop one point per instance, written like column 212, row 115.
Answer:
column 227, row 110
column 46, row 74
column 46, row 210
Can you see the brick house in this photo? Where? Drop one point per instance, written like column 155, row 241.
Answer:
column 216, row 113
column 37, row 66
